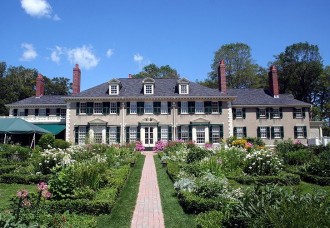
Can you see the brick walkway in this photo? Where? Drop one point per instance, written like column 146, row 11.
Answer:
column 148, row 209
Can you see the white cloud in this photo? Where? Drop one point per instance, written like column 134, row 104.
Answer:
column 138, row 58
column 55, row 56
column 29, row 52
column 84, row 56
column 109, row 53
column 39, row 8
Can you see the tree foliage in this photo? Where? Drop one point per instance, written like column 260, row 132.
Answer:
column 153, row 71
column 241, row 71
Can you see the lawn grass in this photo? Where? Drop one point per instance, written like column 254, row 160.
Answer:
column 122, row 213
column 7, row 191
column 174, row 216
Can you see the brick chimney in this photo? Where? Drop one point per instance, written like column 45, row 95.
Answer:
column 40, row 86
column 76, row 80
column 273, row 81
column 222, row 77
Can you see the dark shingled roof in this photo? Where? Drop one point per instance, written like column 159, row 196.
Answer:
column 262, row 97
column 43, row 100
column 131, row 87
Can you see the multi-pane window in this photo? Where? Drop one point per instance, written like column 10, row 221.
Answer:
column 263, row 132
column 112, row 135
column 184, row 107
column 83, row 107
column 164, row 133
column 97, row 134
column 215, row 134
column 239, row 113
column 276, row 113
column 200, row 134
column 82, row 135
column 262, row 113
column 277, row 132
column 97, row 108
column 164, row 108
column 299, row 113
column 133, row 108
column 184, row 89
column 148, row 89
column 185, row 133
column 240, row 132
column 132, row 134
column 300, row 132
column 199, row 107
column 63, row 113
column 113, row 107
column 148, row 107
column 42, row 112
column 113, row 89
column 215, row 107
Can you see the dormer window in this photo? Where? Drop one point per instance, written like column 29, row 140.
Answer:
column 148, row 86
column 183, row 85
column 114, row 86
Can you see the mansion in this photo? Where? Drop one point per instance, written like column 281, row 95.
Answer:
column 125, row 110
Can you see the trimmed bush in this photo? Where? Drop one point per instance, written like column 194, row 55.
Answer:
column 62, row 144
column 11, row 178
column 196, row 154
column 323, row 181
column 173, row 170
column 46, row 141
column 281, row 179
column 7, row 168
column 297, row 157
column 211, row 219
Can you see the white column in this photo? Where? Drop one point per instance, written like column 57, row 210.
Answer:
column 230, row 119
column 67, row 122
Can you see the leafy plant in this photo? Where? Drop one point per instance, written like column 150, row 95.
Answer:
column 47, row 141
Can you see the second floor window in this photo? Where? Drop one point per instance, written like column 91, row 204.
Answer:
column 97, row 108
column 184, row 107
column 164, row 108
column 199, row 107
column 113, row 107
column 276, row 113
column 262, row 113
column 148, row 108
column 298, row 113
column 215, row 107
column 133, row 108
column 239, row 113
column 83, row 108
column 42, row 112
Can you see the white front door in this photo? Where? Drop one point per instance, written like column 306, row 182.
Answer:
column 149, row 136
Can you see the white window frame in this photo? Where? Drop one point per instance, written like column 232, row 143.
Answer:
column 263, row 132
column 132, row 134
column 215, row 134
column 184, row 107
column 239, row 113
column 200, row 134
column 300, row 132
column 148, row 89
column 164, row 107
column 148, row 107
column 42, row 112
column 113, row 89
column 277, row 132
column 98, row 134
column 276, row 113
column 113, row 107
column 239, row 132
column 112, row 134
column 262, row 113
column 199, row 107
column 82, row 133
column 83, row 108
column 164, row 133
column 98, row 107
column 299, row 113
column 185, row 133
column 133, row 107
column 184, row 89
column 215, row 107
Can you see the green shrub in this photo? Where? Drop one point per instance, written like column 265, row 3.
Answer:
column 281, row 179
column 319, row 180
column 196, row 169
column 285, row 146
column 62, row 144
column 116, row 177
column 232, row 160
column 7, row 168
column 11, row 178
column 47, row 141
column 211, row 219
column 297, row 157
column 321, row 165
column 14, row 153
column 173, row 170
column 255, row 141
column 196, row 154
column 210, row 186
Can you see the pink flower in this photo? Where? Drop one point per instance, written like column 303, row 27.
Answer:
column 22, row 194
column 42, row 186
column 26, row 203
column 46, row 194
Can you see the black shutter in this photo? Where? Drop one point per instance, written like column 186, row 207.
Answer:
column 36, row 112
column 118, row 108
column 77, row 108
column 234, row 113
column 159, row 135
column 191, row 107
column 303, row 113
column 221, row 131
column 107, row 133
column 169, row 133
column 244, row 132
column 47, row 111
column 207, row 107
column 258, row 132
column 294, row 113
column 179, row 107
column 157, row 107
column 169, row 107
column 235, row 131
column 106, row 108
column 138, row 133
column 128, row 108
column 272, row 132
column 305, row 131
column 179, row 131
column 15, row 112
column 58, row 112
column 87, row 135
column 26, row 112
column 76, row 135
column 282, row 132
column 90, row 108
column 127, row 134
column 190, row 133
column 258, row 113
column 270, row 113
column 140, row 108
column 244, row 113
column 210, row 134
column 295, row 132
column 268, row 132
column 220, row 107
column 118, row 134
column 281, row 113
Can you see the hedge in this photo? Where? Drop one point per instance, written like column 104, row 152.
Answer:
column 323, row 181
column 173, row 170
column 210, row 219
column 11, row 178
column 7, row 168
column 282, row 179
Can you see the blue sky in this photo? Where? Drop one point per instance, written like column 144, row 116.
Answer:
column 111, row 39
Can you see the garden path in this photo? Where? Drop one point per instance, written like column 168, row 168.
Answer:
column 148, row 209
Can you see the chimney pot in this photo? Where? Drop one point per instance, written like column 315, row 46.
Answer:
column 273, row 81
column 222, row 77
column 40, row 86
column 76, row 80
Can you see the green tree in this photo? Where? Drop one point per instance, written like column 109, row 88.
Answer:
column 153, row 71
column 241, row 71
column 57, row 86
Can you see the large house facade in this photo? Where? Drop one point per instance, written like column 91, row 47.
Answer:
column 126, row 110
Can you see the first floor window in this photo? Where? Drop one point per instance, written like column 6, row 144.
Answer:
column 97, row 130
column 164, row 133
column 240, row 132
column 83, row 108
column 132, row 134
column 148, row 108
column 200, row 134
column 277, row 132
column 112, row 135
column 184, row 107
column 300, row 132
column 199, row 108
column 164, row 108
column 263, row 132
column 113, row 107
column 97, row 108
column 215, row 134
column 133, row 108
column 185, row 133
column 82, row 135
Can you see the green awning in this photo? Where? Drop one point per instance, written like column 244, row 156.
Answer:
column 53, row 128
